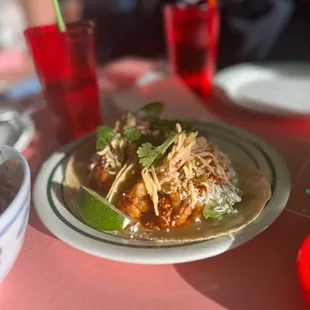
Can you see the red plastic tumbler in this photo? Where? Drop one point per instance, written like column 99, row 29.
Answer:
column 66, row 65
column 303, row 269
column 192, row 40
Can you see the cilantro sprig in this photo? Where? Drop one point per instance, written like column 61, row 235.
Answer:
column 153, row 110
column 149, row 153
column 104, row 136
column 132, row 134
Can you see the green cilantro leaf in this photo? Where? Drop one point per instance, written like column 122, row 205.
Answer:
column 148, row 153
column 153, row 110
column 104, row 137
column 132, row 134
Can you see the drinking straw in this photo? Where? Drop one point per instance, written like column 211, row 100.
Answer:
column 60, row 21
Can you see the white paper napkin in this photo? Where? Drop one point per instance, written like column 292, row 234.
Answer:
column 180, row 101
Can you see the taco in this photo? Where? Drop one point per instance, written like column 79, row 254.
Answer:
column 172, row 183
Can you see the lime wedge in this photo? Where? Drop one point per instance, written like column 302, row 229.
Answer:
column 98, row 213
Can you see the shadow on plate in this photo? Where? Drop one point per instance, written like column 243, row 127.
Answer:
column 258, row 275
column 67, row 196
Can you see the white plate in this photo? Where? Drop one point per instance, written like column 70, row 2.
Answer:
column 272, row 88
column 240, row 145
column 17, row 133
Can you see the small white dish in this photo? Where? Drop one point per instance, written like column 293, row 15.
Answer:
column 14, row 171
column 273, row 88
column 242, row 146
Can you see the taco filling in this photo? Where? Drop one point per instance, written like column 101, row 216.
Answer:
column 162, row 174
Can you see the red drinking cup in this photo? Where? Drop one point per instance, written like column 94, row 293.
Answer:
column 303, row 269
column 192, row 41
column 66, row 65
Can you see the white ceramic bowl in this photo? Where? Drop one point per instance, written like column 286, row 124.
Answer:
column 14, row 220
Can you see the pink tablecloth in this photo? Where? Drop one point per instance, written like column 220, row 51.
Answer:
column 51, row 275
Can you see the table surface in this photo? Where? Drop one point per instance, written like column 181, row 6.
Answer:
column 261, row 274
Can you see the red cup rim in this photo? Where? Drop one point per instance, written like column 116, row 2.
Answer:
column 51, row 28
column 180, row 6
